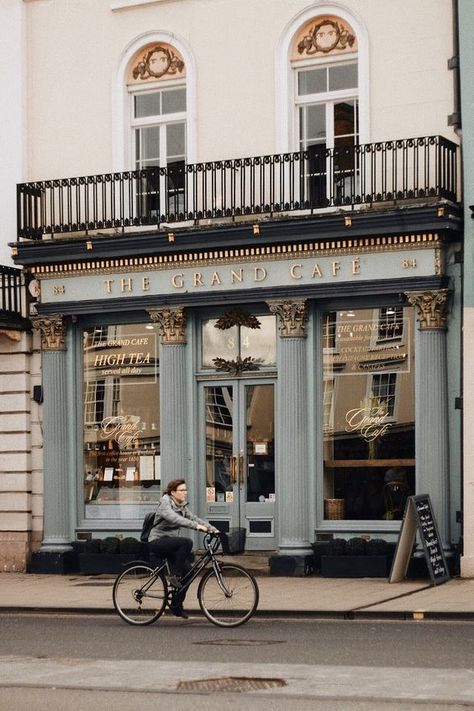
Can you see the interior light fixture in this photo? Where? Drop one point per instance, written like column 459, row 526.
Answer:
column 149, row 326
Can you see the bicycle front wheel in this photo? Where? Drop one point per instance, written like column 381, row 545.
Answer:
column 139, row 595
column 229, row 595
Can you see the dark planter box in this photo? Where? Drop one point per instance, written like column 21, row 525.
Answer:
column 97, row 563
column 354, row 566
column 50, row 563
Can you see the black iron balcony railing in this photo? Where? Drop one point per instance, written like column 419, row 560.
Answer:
column 12, row 294
column 313, row 179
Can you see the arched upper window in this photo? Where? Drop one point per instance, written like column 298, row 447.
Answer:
column 313, row 61
column 156, row 84
column 324, row 64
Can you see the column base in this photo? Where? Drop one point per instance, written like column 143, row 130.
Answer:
column 467, row 566
column 291, row 566
column 53, row 562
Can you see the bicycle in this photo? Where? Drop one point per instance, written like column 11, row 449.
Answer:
column 228, row 594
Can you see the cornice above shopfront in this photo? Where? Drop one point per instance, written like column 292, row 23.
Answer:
column 334, row 226
column 290, row 251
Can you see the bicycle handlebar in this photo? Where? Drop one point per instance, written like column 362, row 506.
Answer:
column 210, row 537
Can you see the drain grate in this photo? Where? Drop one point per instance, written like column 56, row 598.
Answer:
column 231, row 683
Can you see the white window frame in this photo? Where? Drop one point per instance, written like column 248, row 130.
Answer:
column 162, row 121
column 123, row 151
column 285, row 73
column 326, row 98
column 393, row 415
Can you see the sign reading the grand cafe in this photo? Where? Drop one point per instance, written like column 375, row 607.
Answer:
column 271, row 267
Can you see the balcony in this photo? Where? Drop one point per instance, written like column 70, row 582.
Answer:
column 12, row 295
column 282, row 185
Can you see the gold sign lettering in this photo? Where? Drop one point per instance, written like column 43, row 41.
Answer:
column 124, row 429
column 369, row 421
column 293, row 273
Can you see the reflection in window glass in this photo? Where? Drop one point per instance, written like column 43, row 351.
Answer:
column 368, row 414
column 239, row 341
column 342, row 76
column 121, row 421
column 147, row 104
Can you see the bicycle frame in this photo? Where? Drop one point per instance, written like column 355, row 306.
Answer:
column 211, row 544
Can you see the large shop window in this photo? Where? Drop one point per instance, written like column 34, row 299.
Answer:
column 368, row 413
column 121, row 421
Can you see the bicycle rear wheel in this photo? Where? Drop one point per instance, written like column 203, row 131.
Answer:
column 139, row 596
column 230, row 597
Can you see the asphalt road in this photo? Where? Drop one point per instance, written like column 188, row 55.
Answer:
column 434, row 644
column 57, row 663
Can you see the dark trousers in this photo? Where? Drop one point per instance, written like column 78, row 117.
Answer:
column 177, row 550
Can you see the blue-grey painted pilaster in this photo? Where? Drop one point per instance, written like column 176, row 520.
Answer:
column 292, row 429
column 431, row 404
column 173, row 405
column 56, row 523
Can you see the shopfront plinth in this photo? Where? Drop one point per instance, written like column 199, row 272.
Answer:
column 292, row 429
column 56, row 549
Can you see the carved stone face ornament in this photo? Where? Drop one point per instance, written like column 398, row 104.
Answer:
column 324, row 37
column 156, row 63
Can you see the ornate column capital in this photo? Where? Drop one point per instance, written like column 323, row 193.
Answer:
column 172, row 324
column 432, row 308
column 53, row 331
column 292, row 317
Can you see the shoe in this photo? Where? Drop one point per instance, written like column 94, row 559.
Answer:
column 177, row 611
column 174, row 581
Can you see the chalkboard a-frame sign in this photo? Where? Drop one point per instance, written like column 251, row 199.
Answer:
column 419, row 516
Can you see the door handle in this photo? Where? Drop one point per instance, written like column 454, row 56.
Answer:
column 233, row 470
column 241, row 469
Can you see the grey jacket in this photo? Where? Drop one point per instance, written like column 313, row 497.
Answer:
column 170, row 517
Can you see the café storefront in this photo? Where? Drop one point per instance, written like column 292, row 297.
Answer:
column 291, row 383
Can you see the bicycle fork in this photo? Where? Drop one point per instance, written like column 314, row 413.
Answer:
column 220, row 579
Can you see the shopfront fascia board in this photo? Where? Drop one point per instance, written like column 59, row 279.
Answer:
column 258, row 272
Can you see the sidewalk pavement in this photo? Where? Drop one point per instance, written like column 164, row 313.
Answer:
column 315, row 596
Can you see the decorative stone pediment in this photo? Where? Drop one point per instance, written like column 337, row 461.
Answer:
column 154, row 62
column 322, row 36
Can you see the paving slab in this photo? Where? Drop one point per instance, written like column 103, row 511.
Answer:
column 278, row 595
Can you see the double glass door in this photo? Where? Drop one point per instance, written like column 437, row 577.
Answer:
column 238, row 458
